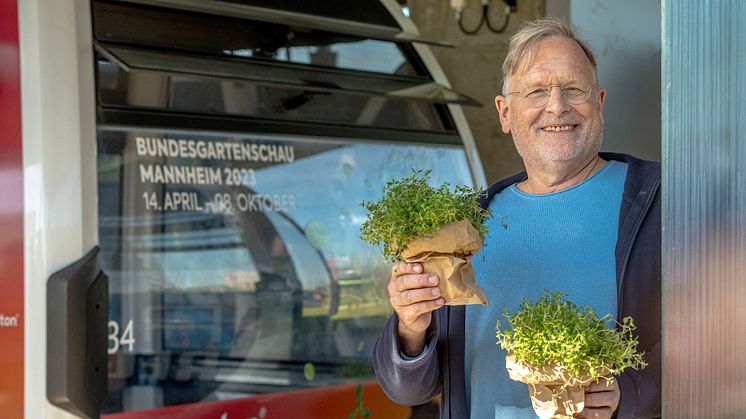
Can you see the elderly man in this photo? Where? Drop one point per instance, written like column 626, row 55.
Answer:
column 578, row 221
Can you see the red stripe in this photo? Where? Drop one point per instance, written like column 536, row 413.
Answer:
column 11, row 217
column 325, row 402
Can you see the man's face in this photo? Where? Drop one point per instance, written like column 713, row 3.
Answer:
column 558, row 133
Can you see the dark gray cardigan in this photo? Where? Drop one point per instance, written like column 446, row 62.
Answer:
column 638, row 268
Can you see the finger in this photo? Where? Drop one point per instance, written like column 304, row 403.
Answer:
column 403, row 268
column 411, row 312
column 410, row 282
column 601, row 385
column 599, row 399
column 414, row 296
column 595, row 413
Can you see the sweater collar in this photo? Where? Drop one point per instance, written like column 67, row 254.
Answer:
column 642, row 177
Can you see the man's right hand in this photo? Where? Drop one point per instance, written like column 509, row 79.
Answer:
column 414, row 295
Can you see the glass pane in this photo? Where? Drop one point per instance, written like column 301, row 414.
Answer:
column 369, row 12
column 203, row 33
column 227, row 97
column 235, row 263
column 367, row 55
column 310, row 80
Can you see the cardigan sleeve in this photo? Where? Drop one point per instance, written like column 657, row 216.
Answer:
column 407, row 382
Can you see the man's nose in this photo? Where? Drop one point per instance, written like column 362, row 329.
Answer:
column 556, row 104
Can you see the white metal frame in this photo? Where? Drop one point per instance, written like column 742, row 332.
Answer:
column 59, row 159
column 439, row 76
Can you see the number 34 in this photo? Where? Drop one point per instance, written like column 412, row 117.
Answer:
column 117, row 340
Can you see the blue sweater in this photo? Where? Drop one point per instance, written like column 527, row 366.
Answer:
column 638, row 277
column 561, row 241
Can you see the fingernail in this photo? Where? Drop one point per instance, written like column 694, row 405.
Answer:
column 440, row 301
column 435, row 291
column 432, row 279
column 417, row 268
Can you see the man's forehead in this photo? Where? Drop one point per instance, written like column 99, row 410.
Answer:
column 557, row 55
column 552, row 73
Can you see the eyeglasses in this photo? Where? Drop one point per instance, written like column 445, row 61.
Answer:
column 573, row 93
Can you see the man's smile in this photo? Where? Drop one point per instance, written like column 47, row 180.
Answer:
column 558, row 128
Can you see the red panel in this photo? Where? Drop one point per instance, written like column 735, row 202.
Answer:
column 326, row 402
column 11, row 217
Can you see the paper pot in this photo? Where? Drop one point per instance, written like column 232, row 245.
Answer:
column 448, row 254
column 553, row 393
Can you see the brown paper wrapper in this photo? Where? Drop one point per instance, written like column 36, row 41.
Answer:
column 553, row 393
column 448, row 254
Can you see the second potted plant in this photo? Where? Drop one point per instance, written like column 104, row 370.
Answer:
column 557, row 348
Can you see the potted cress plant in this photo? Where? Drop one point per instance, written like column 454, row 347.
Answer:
column 441, row 228
column 557, row 348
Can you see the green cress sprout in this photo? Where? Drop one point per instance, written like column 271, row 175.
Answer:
column 410, row 209
column 555, row 332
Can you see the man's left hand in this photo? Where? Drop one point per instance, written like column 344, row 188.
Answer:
column 601, row 400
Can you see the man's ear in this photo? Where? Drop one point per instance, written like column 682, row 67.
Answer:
column 601, row 99
column 501, row 103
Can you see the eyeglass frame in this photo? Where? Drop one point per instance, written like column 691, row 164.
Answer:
column 549, row 87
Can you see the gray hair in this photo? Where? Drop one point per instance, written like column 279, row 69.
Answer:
column 523, row 43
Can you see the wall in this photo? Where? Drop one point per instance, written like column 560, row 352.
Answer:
column 625, row 37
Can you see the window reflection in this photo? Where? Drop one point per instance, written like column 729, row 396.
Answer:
column 225, row 302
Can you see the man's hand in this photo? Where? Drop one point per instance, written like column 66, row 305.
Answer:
column 601, row 400
column 414, row 295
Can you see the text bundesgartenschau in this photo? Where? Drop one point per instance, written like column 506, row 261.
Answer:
column 214, row 150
